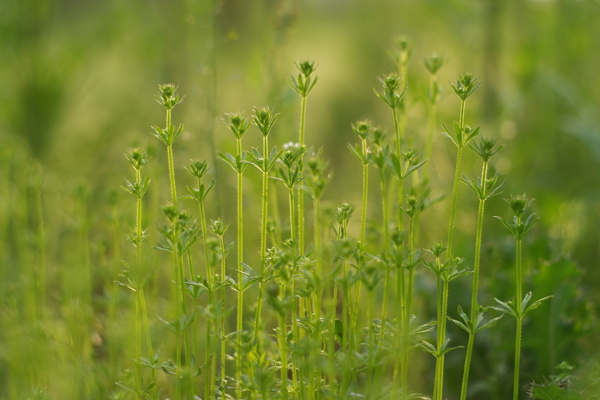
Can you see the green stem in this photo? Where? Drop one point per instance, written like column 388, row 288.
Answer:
column 138, row 347
column 300, row 191
column 475, row 291
column 210, row 277
column 453, row 203
column 263, row 238
column 440, row 334
column 240, row 260
column 298, row 302
column 400, row 365
column 371, row 341
column 365, row 191
column 442, row 321
column 398, row 143
column 223, row 320
column 407, row 313
column 172, row 174
column 386, row 245
column 283, row 354
column 319, row 258
column 148, row 337
column 430, row 127
column 518, row 300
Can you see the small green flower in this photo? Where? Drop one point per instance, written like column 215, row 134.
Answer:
column 466, row 85
column 237, row 124
column 433, row 63
column 264, row 119
column 168, row 96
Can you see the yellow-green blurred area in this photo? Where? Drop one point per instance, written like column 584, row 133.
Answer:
column 77, row 86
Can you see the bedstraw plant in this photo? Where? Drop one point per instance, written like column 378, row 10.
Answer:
column 337, row 314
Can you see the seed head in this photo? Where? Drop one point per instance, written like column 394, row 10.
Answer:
column 137, row 158
column 237, row 124
column 303, row 83
column 433, row 63
column 306, row 68
column 264, row 119
column 218, row 227
column 465, row 85
column 198, row 168
column 171, row 211
column 362, row 128
column 377, row 136
column 403, row 51
column 344, row 212
column 168, row 96
column 486, row 148
column 291, row 153
column 519, row 204
column 437, row 249
column 391, row 85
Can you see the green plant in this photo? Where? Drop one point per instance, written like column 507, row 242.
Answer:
column 518, row 308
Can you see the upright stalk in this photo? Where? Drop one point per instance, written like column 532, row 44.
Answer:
column 475, row 290
column 263, row 236
column 455, row 187
column 238, row 125
column 433, row 63
column 519, row 226
column 519, row 290
column 303, row 84
column 263, row 119
column 137, row 158
column 386, row 245
column 169, row 98
column 461, row 136
column 240, row 260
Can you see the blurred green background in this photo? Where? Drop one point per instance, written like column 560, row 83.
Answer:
column 77, row 82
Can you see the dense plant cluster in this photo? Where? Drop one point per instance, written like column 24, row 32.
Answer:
column 326, row 307
column 323, row 334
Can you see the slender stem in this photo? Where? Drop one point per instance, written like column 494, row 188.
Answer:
column 453, row 203
column 478, row 238
column 283, row 355
column 408, row 311
column 476, row 265
column 442, row 328
column 138, row 348
column 302, row 120
column 462, row 113
column 519, row 320
column 140, row 295
column 223, row 320
column 318, row 256
column 440, row 334
column 371, row 341
column 354, row 309
column 300, row 191
column 240, row 260
column 365, row 192
column 430, row 126
column 263, row 237
column 386, row 246
column 400, row 366
column 398, row 143
column 148, row 337
column 298, row 303
column 172, row 174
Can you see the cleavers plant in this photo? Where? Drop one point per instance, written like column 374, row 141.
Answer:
column 321, row 334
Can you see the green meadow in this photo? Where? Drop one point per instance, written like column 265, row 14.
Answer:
column 299, row 199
